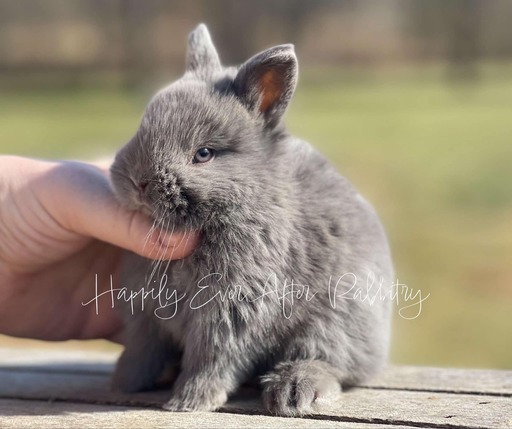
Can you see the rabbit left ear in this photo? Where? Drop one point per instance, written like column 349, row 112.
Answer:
column 266, row 82
column 202, row 57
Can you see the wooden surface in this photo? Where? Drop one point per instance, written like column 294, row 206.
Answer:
column 43, row 389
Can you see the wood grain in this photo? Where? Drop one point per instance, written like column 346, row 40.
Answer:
column 399, row 397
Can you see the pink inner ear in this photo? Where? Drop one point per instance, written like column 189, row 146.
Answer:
column 271, row 87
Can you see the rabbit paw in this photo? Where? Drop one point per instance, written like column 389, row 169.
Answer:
column 204, row 401
column 293, row 388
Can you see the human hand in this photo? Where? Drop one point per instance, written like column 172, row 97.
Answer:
column 60, row 226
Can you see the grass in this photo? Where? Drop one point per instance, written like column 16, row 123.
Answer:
column 433, row 156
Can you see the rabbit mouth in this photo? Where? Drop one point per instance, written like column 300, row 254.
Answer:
column 177, row 212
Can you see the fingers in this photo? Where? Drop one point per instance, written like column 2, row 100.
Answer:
column 132, row 231
column 89, row 207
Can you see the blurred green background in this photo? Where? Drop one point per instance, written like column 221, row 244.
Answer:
column 411, row 100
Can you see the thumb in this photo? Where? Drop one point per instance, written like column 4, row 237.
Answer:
column 88, row 206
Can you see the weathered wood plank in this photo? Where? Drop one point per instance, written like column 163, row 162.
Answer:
column 46, row 415
column 408, row 396
column 452, row 380
column 491, row 382
column 400, row 407
column 76, row 361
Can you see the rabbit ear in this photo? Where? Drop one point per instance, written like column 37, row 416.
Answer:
column 266, row 82
column 202, row 57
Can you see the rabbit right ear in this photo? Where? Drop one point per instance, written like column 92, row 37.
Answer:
column 266, row 82
column 202, row 57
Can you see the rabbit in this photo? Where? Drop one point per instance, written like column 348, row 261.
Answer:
column 212, row 155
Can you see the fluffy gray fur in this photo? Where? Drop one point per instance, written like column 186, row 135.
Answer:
column 270, row 210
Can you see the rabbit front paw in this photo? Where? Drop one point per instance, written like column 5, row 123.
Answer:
column 194, row 396
column 295, row 387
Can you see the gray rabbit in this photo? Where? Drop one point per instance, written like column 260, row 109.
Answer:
column 269, row 294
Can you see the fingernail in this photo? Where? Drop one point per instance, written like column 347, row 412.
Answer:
column 166, row 240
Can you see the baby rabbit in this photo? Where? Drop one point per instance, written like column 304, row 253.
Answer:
column 285, row 242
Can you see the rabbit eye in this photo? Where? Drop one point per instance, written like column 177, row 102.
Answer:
column 203, row 155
